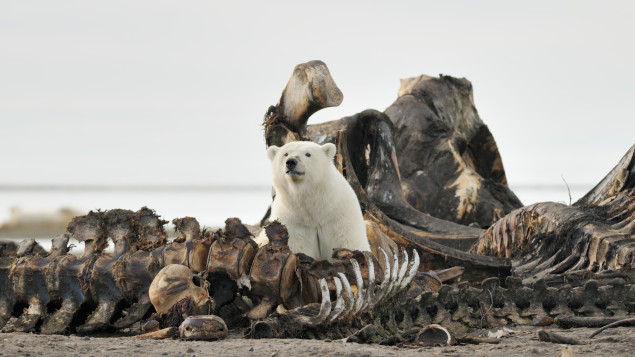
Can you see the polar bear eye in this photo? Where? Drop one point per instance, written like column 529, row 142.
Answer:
column 308, row 154
column 286, row 154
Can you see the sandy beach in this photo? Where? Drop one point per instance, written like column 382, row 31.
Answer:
column 523, row 342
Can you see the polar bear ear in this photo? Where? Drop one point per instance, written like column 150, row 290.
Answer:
column 272, row 151
column 329, row 150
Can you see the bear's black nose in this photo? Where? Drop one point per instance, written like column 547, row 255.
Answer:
column 291, row 163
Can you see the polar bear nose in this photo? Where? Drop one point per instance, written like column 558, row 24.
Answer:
column 291, row 163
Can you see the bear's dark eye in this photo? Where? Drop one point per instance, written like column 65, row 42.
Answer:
column 308, row 154
column 286, row 154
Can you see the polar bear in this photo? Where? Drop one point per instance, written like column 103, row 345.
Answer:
column 314, row 201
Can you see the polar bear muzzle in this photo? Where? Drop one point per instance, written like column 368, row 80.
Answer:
column 292, row 169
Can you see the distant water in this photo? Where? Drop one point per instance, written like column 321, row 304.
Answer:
column 529, row 194
column 211, row 206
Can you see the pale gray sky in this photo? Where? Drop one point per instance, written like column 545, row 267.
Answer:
column 173, row 92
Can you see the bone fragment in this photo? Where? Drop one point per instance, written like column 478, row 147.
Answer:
column 162, row 334
column 624, row 322
column 557, row 338
column 203, row 327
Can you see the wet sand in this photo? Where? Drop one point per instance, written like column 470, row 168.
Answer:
column 524, row 342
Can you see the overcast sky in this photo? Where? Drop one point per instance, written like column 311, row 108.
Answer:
column 173, row 92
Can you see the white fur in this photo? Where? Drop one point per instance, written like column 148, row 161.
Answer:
column 319, row 208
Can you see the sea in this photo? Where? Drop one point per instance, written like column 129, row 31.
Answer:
column 210, row 205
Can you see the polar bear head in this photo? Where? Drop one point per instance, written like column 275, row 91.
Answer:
column 301, row 162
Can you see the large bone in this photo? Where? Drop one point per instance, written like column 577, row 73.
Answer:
column 70, row 279
column 150, row 228
column 133, row 273
column 566, row 239
column 8, row 249
column 232, row 251
column 273, row 273
column 449, row 161
column 7, row 298
column 309, row 89
column 196, row 246
column 89, row 229
column 103, row 287
column 31, row 284
column 174, row 283
column 229, row 260
column 620, row 178
column 63, row 285
column 552, row 238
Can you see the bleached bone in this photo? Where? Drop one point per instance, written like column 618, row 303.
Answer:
column 370, row 291
column 402, row 270
column 359, row 299
column 347, row 304
column 339, row 302
column 412, row 272
column 349, row 298
column 393, row 274
column 309, row 89
column 385, row 285
column 325, row 308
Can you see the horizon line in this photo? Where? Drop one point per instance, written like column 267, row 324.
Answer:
column 215, row 187
column 130, row 187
